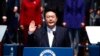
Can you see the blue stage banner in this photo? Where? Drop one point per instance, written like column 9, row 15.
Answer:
column 10, row 49
column 94, row 50
column 31, row 51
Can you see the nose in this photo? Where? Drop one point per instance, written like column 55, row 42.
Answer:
column 50, row 19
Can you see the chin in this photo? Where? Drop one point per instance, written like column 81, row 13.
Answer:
column 51, row 25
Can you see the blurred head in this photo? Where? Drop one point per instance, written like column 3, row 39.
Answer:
column 91, row 10
column 51, row 18
column 98, row 12
column 42, row 9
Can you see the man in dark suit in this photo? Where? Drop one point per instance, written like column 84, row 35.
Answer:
column 9, row 18
column 95, row 7
column 49, row 36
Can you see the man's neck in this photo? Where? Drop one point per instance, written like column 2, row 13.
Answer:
column 52, row 28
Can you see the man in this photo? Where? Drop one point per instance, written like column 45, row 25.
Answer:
column 49, row 36
column 87, row 11
column 94, row 8
column 30, row 10
column 98, row 18
column 10, row 9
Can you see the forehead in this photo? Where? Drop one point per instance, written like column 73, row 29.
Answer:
column 50, row 13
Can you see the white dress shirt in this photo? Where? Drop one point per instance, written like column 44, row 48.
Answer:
column 50, row 35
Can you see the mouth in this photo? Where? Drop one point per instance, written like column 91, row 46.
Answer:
column 51, row 22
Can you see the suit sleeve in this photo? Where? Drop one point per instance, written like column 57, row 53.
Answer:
column 32, row 40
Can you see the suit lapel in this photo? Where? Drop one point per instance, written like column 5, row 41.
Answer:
column 45, row 38
column 54, row 44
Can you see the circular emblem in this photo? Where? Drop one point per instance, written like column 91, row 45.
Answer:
column 47, row 53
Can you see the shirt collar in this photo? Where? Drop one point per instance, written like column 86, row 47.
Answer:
column 53, row 29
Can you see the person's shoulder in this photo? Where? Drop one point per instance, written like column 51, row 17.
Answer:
column 39, row 30
column 62, row 28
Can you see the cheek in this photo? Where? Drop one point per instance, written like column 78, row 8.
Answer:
column 47, row 21
column 55, row 20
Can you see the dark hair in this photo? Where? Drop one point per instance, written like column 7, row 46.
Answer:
column 47, row 10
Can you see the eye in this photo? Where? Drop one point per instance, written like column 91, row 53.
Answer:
column 48, row 16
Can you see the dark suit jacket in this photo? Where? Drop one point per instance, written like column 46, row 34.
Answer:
column 12, row 21
column 12, row 3
column 40, row 38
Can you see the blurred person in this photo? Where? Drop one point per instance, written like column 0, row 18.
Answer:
column 98, row 18
column 87, row 11
column 95, row 6
column 42, row 9
column 2, row 9
column 11, row 8
column 30, row 10
column 49, row 36
column 74, row 20
column 92, row 16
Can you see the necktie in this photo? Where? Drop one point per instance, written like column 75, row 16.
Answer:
column 50, row 37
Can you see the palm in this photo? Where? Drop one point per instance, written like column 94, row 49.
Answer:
column 32, row 26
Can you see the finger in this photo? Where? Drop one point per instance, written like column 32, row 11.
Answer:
column 32, row 23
